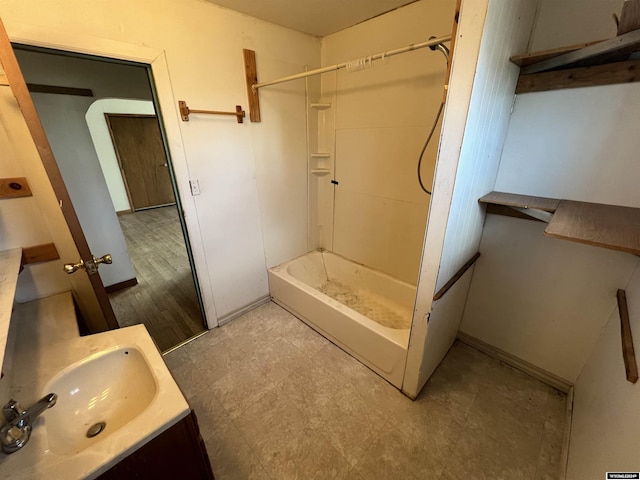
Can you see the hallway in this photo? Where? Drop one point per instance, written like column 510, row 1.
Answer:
column 165, row 298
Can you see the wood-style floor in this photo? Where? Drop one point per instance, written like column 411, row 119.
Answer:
column 165, row 298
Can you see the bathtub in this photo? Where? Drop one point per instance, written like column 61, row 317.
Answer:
column 365, row 312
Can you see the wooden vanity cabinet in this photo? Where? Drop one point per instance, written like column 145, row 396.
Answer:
column 178, row 453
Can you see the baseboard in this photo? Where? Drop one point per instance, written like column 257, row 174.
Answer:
column 132, row 282
column 517, row 363
column 566, row 436
column 241, row 311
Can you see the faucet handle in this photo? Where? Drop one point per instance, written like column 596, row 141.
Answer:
column 12, row 410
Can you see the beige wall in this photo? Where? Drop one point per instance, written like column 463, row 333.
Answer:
column 381, row 117
column 248, row 173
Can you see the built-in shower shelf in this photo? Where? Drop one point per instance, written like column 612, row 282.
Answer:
column 320, row 172
column 608, row 226
column 320, row 155
column 320, row 106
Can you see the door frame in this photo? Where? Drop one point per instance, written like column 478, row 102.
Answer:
column 168, row 116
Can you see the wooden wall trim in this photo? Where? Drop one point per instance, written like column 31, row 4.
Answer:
column 251, row 77
column 628, row 352
column 39, row 253
column 14, row 187
column 458, row 275
column 80, row 92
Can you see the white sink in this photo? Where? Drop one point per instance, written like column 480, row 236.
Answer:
column 98, row 396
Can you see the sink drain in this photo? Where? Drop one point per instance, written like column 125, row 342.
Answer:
column 96, row 429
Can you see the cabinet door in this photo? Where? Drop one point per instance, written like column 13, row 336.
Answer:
column 178, row 453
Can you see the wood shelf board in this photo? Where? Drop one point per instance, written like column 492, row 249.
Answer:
column 526, row 59
column 607, row 226
column 609, row 74
column 521, row 201
column 601, row 52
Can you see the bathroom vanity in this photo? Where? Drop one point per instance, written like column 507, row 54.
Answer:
column 118, row 413
column 177, row 453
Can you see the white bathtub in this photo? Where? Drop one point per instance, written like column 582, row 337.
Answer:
column 365, row 312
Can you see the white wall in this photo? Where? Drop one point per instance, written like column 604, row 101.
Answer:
column 382, row 117
column 532, row 297
column 101, row 138
column 604, row 430
column 63, row 117
column 473, row 162
column 201, row 44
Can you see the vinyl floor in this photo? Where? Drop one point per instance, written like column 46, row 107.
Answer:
column 165, row 298
column 275, row 400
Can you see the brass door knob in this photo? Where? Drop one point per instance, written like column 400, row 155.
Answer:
column 91, row 266
column 70, row 268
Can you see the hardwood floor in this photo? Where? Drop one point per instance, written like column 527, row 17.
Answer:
column 165, row 298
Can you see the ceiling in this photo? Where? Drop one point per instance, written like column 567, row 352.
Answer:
column 315, row 17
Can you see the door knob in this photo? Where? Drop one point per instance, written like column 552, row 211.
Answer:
column 91, row 266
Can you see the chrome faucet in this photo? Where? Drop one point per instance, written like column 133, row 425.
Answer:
column 16, row 433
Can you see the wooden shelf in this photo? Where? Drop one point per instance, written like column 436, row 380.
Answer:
column 320, row 172
column 320, row 155
column 608, row 226
column 526, row 59
column 521, row 201
column 604, row 62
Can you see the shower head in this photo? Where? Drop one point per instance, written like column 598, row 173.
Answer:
column 440, row 47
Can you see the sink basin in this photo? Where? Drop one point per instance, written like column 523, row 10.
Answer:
column 96, row 397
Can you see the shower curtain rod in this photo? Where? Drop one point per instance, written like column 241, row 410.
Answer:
column 371, row 58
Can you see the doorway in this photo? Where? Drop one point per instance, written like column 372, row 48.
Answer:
column 153, row 279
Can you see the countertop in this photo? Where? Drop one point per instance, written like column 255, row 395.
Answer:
column 46, row 341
